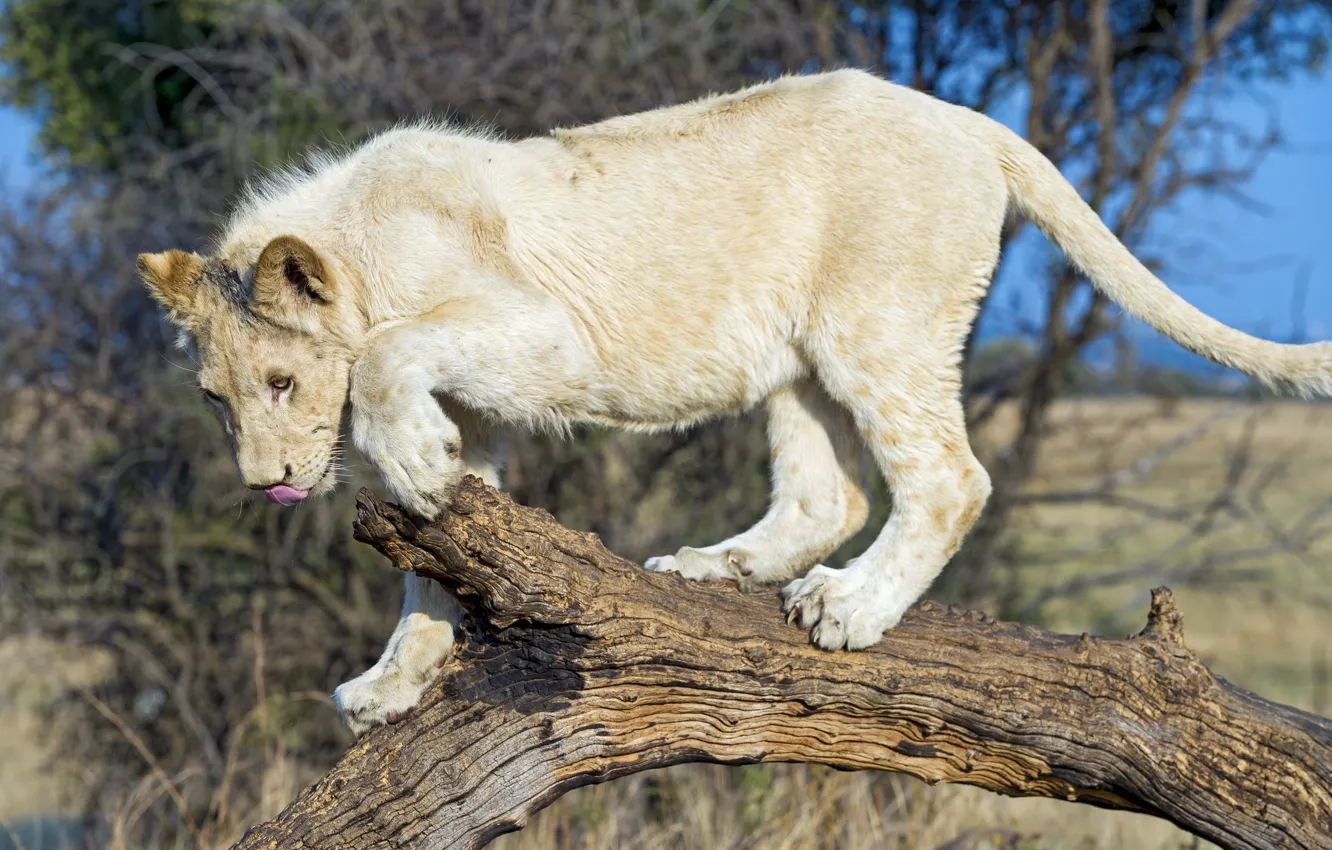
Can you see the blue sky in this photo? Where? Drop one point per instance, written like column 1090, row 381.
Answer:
column 16, row 166
column 1241, row 266
column 1244, row 267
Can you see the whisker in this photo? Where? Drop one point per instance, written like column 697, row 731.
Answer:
column 177, row 365
column 241, row 504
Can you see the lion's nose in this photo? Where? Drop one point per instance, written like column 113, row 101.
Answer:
column 268, row 485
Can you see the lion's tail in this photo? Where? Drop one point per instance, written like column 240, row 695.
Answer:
column 1050, row 202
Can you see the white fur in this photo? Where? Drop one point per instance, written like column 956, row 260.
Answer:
column 819, row 244
column 418, row 647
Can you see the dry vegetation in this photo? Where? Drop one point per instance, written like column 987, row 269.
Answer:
column 1236, row 511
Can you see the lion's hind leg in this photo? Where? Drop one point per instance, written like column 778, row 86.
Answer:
column 818, row 500
column 911, row 417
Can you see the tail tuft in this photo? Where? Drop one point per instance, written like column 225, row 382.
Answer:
column 1308, row 372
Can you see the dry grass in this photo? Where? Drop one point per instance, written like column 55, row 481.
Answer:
column 795, row 807
column 33, row 672
column 1260, row 621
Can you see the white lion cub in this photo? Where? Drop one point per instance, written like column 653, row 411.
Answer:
column 817, row 244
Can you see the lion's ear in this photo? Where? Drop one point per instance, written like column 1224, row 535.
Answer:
column 291, row 273
column 173, row 279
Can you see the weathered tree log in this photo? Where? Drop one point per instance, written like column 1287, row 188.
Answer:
column 576, row 667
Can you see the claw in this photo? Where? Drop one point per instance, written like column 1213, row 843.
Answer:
column 740, row 565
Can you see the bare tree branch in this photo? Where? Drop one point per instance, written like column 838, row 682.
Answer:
column 578, row 667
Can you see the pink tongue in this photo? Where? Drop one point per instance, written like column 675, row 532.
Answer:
column 284, row 495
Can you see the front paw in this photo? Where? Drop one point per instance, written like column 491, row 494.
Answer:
column 844, row 608
column 418, row 453
column 423, row 485
column 382, row 695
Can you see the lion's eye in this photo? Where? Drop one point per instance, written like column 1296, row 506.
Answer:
column 280, row 383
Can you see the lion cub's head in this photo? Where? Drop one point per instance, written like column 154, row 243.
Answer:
column 274, row 353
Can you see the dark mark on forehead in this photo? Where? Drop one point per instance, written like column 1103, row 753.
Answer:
column 228, row 282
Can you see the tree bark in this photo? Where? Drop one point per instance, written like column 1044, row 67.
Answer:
column 576, row 667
